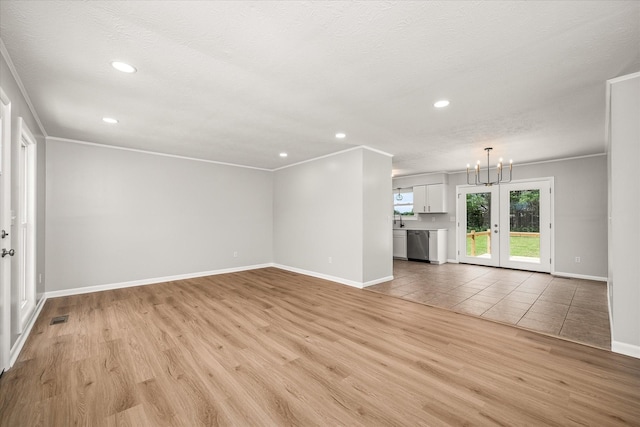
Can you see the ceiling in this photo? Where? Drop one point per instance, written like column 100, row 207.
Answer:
column 240, row 82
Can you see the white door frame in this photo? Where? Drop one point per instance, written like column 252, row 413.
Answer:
column 5, row 224
column 545, row 260
column 25, row 228
column 495, row 241
column 462, row 190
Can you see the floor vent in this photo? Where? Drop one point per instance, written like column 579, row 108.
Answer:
column 59, row 319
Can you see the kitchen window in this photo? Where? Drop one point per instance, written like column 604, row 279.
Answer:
column 403, row 203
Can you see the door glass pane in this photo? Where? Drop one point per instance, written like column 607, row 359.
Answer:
column 524, row 227
column 479, row 225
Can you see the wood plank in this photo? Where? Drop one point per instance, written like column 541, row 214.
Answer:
column 271, row 347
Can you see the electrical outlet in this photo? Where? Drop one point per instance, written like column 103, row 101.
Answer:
column 330, row 260
column 577, row 259
column 235, row 254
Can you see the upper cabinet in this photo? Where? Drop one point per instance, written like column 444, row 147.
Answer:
column 430, row 198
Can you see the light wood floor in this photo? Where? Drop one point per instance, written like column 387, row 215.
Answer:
column 269, row 347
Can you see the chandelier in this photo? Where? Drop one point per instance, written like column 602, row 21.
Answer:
column 499, row 177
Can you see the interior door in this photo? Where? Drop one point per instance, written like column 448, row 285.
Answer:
column 5, row 228
column 478, row 239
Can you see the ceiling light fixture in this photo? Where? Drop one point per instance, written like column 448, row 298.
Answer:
column 399, row 195
column 488, row 182
column 109, row 120
column 283, row 154
column 442, row 103
column 125, row 68
column 341, row 135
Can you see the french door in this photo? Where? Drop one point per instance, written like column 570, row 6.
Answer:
column 507, row 225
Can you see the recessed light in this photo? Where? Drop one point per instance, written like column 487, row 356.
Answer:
column 125, row 68
column 341, row 135
column 283, row 154
column 441, row 104
column 109, row 120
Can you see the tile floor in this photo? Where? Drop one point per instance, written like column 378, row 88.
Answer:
column 574, row 309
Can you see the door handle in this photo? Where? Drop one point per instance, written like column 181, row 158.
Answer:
column 9, row 252
column 4, row 234
column 495, row 231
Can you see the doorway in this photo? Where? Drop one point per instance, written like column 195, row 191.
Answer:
column 5, row 227
column 26, row 228
column 506, row 225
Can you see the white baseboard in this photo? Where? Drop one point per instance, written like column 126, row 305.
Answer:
column 376, row 281
column 626, row 349
column 17, row 346
column 453, row 261
column 340, row 280
column 142, row 282
column 579, row 276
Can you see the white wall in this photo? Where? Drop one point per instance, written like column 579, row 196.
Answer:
column 377, row 211
column 117, row 216
column 318, row 214
column 580, row 205
column 624, row 208
column 319, row 218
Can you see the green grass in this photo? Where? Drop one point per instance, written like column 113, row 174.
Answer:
column 520, row 246
column 525, row 246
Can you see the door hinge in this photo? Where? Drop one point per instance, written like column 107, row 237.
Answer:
column 549, row 225
column 549, row 260
column 459, row 194
column 458, row 252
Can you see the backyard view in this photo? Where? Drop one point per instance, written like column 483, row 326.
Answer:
column 524, row 224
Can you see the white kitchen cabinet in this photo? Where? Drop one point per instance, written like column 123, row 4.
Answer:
column 400, row 244
column 438, row 246
column 430, row 198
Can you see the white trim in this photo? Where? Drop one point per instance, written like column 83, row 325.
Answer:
column 609, row 309
column 625, row 77
column 626, row 349
column 5, row 54
column 340, row 280
column 579, row 276
column 454, row 172
column 359, row 147
column 5, row 167
column 413, row 175
column 175, row 156
column 375, row 150
column 26, row 247
column 22, row 338
column 376, row 281
column 154, row 153
column 453, row 261
column 151, row 281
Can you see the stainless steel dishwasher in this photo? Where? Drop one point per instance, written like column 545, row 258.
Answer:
column 418, row 245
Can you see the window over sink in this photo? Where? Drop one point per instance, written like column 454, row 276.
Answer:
column 403, row 203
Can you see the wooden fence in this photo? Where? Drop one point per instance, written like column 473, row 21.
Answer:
column 474, row 234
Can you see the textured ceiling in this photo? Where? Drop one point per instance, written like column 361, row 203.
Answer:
column 240, row 82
